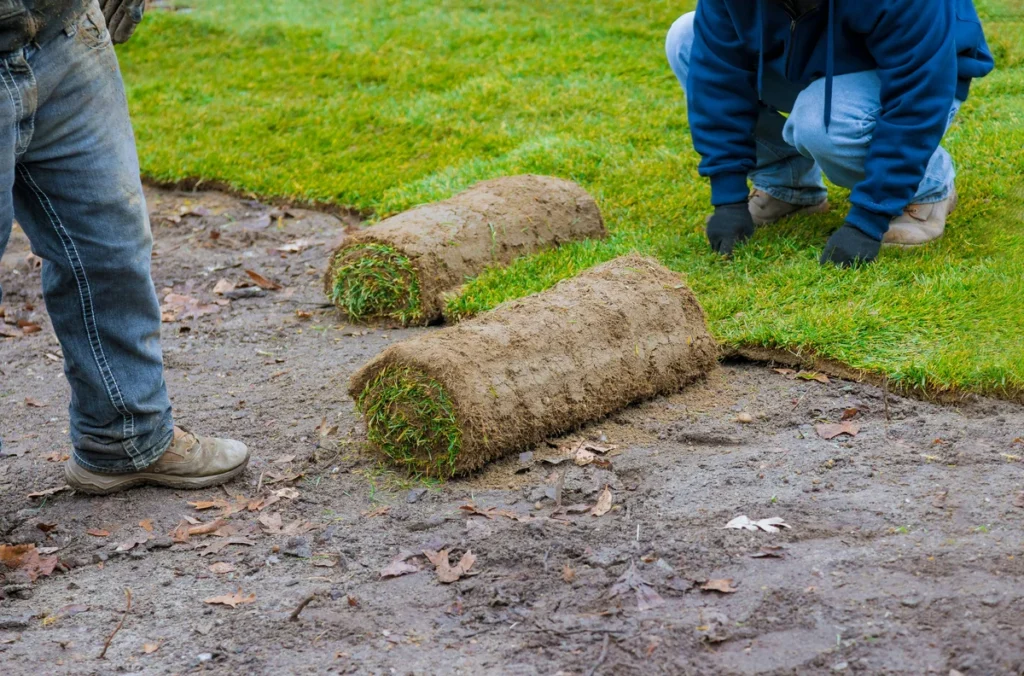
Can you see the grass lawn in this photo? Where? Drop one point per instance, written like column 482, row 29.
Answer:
column 384, row 105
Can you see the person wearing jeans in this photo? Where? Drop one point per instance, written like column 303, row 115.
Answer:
column 70, row 175
column 781, row 91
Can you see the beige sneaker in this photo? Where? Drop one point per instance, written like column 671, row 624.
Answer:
column 765, row 209
column 920, row 223
column 189, row 462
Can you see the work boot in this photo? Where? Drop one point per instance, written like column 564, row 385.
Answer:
column 920, row 223
column 765, row 209
column 189, row 462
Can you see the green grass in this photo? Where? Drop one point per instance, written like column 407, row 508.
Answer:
column 411, row 419
column 385, row 105
column 374, row 281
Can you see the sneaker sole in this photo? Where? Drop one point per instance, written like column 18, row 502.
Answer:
column 117, row 483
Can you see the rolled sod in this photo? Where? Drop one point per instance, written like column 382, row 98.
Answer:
column 402, row 268
column 447, row 402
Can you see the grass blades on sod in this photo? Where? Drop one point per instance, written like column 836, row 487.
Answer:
column 374, row 281
column 386, row 105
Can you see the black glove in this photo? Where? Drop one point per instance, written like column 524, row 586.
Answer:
column 730, row 225
column 849, row 246
column 122, row 17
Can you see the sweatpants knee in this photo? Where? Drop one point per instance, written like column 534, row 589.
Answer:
column 679, row 44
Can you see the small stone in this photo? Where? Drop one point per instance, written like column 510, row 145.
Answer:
column 911, row 601
column 744, row 418
column 204, row 657
column 11, row 622
column 138, row 554
column 100, row 557
column 840, row 666
column 298, row 547
column 414, row 495
column 159, row 542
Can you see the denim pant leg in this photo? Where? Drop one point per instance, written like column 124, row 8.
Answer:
column 781, row 170
column 78, row 196
column 843, row 149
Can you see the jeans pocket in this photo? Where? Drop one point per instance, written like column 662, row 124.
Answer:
column 92, row 29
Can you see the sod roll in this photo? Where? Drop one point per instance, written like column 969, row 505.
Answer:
column 446, row 402
column 402, row 268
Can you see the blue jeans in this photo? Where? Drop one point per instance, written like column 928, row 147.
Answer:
column 793, row 151
column 70, row 175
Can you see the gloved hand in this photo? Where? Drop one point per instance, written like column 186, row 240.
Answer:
column 849, row 246
column 122, row 17
column 730, row 225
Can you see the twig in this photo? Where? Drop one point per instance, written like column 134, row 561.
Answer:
column 601, row 658
column 294, row 617
column 127, row 609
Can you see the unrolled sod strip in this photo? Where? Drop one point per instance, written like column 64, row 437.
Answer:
column 402, row 267
column 446, row 402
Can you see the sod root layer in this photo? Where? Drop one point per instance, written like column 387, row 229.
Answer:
column 447, row 402
column 402, row 268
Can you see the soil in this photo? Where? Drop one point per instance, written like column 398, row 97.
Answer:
column 621, row 332
column 491, row 223
column 903, row 556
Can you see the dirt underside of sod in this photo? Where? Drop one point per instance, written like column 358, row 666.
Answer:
column 904, row 556
column 450, row 401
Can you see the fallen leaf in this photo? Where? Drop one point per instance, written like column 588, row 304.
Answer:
column 446, row 574
column 770, row 552
column 146, row 525
column 46, row 527
column 785, row 372
column 400, row 566
column 184, row 531
column 850, row 413
column 98, row 532
column 568, row 573
column 29, row 328
column 25, row 560
column 222, row 568
column 771, row 525
column 233, row 600
column 283, row 460
column 56, row 456
column 721, row 586
column 273, row 477
column 262, row 281
column 604, row 502
column 1019, row 500
column 273, row 525
column 15, row 453
column 150, row 648
column 34, row 403
column 814, row 375
column 297, row 246
column 584, row 457
column 379, row 511
column 223, row 286
column 326, row 560
column 133, row 542
column 288, row 493
column 177, row 306
column 49, row 491
column 646, row 596
column 939, row 500
column 261, row 503
column 10, row 331
column 219, row 544
column 831, row 431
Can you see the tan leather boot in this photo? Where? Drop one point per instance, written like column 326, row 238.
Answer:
column 189, row 462
column 920, row 223
column 765, row 209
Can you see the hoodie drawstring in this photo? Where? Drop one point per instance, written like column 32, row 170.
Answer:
column 762, row 19
column 830, row 62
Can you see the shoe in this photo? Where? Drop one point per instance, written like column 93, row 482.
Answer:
column 765, row 209
column 920, row 223
column 189, row 462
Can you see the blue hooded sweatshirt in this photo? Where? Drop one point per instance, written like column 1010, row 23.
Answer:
column 925, row 51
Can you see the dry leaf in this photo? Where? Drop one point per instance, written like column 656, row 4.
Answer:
column 850, row 413
column 262, row 281
column 646, row 597
column 379, row 511
column 184, row 531
column 146, row 525
column 721, row 586
column 273, row 525
column 233, row 600
column 49, row 491
column 814, row 375
column 46, row 527
column 831, row 431
column 785, row 372
column 939, row 501
column 29, row 327
column 223, row 286
column 446, row 574
column 34, row 403
column 771, row 525
column 568, row 573
column 400, row 566
column 284, row 459
column 98, row 532
column 56, row 456
column 132, row 543
column 584, row 457
column 25, row 560
column 177, row 306
column 297, row 246
column 288, row 493
column 324, row 430
column 10, row 331
column 218, row 545
column 604, row 502
column 222, row 568
column 770, row 552
column 150, row 648
column 1019, row 500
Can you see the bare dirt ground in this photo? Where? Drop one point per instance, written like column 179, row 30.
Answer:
column 904, row 553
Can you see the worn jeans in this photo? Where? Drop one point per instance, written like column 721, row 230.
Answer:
column 70, row 175
column 793, row 150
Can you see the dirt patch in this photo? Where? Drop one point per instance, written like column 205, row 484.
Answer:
column 621, row 332
column 903, row 556
column 402, row 267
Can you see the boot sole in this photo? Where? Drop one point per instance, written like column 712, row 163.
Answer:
column 898, row 245
column 117, row 484
column 812, row 209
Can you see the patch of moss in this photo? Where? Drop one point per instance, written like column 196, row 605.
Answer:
column 375, row 281
column 411, row 419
